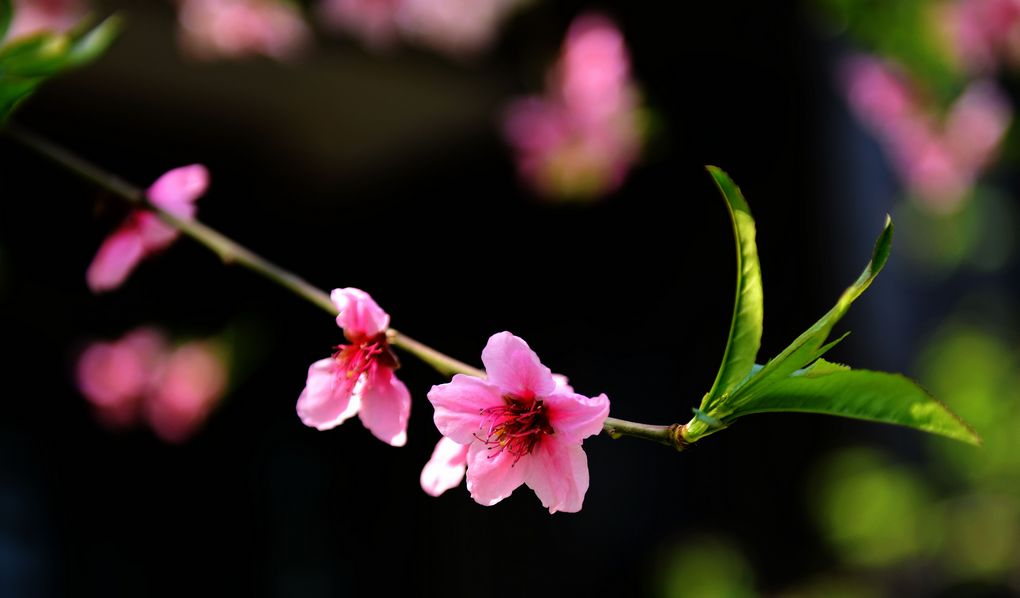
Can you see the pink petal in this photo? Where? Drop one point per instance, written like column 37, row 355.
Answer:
column 373, row 21
column 574, row 417
column 492, row 476
column 320, row 406
column 445, row 469
column 192, row 380
column 111, row 374
column 119, row 254
column 458, row 405
column 359, row 315
column 178, row 188
column 558, row 473
column 514, row 367
column 385, row 406
column 156, row 235
column 562, row 384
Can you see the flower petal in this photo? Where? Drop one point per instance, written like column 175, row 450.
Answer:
column 575, row 417
column 178, row 188
column 359, row 315
column 492, row 476
column 513, row 366
column 385, row 406
column 558, row 473
column 458, row 406
column 446, row 468
column 156, row 235
column 562, row 384
column 119, row 254
column 320, row 406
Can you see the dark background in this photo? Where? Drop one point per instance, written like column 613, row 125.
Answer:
column 387, row 172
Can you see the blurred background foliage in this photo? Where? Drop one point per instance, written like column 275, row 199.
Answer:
column 384, row 167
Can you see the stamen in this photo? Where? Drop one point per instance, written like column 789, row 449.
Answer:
column 360, row 357
column 516, row 426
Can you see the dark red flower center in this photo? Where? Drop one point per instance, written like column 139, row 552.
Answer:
column 516, row 426
column 360, row 357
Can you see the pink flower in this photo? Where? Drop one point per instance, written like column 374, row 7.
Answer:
column 455, row 27
column 116, row 376
column 212, row 29
column 446, row 468
column 359, row 378
column 187, row 386
column 143, row 233
column 519, row 426
column 581, row 139
column 938, row 160
column 139, row 375
column 981, row 33
column 52, row 16
column 372, row 21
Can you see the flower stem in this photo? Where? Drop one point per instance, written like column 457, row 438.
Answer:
column 672, row 435
column 232, row 252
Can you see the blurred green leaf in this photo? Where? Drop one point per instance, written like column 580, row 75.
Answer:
column 746, row 326
column 830, row 389
column 875, row 512
column 27, row 63
column 94, row 43
column 6, row 13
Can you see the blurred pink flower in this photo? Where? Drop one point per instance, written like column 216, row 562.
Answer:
column 938, row 160
column 455, row 27
column 143, row 233
column 374, row 22
column 213, row 29
column 982, row 33
column 138, row 375
column 189, row 383
column 116, row 376
column 54, row 16
column 359, row 378
column 580, row 139
column 520, row 427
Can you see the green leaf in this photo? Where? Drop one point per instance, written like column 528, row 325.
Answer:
column 29, row 62
column 746, row 325
column 810, row 345
column 832, row 389
column 93, row 44
column 6, row 14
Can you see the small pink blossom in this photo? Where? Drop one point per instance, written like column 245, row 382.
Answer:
column 138, row 376
column 581, row 139
column 981, row 33
column 520, row 426
column 446, row 468
column 189, row 383
column 359, row 378
column 143, row 233
column 52, row 16
column 374, row 22
column 213, row 29
column 938, row 159
column 116, row 376
column 456, row 27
